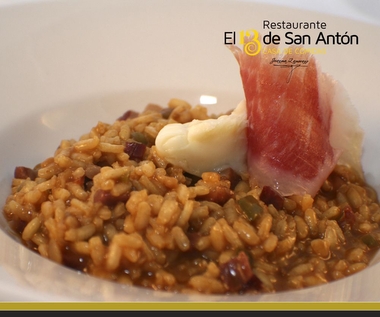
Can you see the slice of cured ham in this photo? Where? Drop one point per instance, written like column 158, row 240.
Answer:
column 300, row 122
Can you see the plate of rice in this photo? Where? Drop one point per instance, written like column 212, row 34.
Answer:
column 138, row 164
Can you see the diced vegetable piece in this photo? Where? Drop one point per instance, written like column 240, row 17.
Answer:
column 250, row 206
column 139, row 137
column 370, row 241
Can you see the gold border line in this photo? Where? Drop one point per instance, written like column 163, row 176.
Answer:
column 167, row 306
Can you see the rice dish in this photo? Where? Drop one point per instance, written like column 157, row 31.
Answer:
column 108, row 205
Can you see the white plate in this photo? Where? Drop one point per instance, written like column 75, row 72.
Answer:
column 65, row 65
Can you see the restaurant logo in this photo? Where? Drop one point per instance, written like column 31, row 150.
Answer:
column 289, row 44
column 269, row 42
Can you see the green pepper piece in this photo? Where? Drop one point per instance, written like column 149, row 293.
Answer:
column 370, row 241
column 250, row 206
column 139, row 137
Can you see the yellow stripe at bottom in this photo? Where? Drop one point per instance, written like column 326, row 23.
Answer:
column 167, row 306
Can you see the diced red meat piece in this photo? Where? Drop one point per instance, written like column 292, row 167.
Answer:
column 218, row 194
column 270, row 196
column 106, row 198
column 230, row 175
column 135, row 150
column 348, row 218
column 237, row 274
column 23, row 172
column 129, row 114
